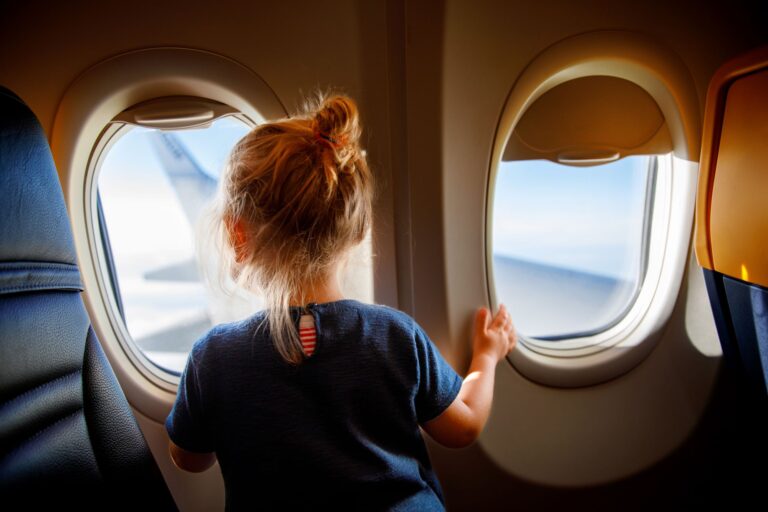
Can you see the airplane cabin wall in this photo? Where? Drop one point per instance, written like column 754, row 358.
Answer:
column 629, row 436
column 432, row 79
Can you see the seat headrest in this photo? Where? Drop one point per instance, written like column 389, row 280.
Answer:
column 35, row 233
column 33, row 219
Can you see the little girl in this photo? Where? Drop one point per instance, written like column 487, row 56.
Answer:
column 317, row 401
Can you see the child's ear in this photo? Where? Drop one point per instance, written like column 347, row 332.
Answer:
column 237, row 238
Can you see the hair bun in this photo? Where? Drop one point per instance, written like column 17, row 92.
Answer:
column 336, row 121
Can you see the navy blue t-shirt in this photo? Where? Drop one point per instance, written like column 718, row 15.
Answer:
column 338, row 430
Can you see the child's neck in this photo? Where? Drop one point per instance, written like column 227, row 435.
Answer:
column 325, row 291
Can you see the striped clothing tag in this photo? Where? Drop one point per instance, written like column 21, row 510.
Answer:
column 307, row 333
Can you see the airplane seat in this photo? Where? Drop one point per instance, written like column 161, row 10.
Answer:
column 69, row 438
column 732, row 216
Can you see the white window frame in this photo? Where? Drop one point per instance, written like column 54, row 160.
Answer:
column 665, row 78
column 603, row 355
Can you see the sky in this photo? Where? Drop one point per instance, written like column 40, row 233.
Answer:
column 583, row 218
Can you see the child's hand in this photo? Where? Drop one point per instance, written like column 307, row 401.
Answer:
column 497, row 336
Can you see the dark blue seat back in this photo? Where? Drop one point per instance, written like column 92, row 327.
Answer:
column 741, row 317
column 68, row 437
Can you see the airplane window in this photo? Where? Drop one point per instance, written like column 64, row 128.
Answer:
column 152, row 187
column 569, row 244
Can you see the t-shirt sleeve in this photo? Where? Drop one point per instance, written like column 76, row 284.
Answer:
column 438, row 382
column 185, row 424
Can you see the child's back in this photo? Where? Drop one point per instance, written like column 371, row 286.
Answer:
column 338, row 425
column 341, row 429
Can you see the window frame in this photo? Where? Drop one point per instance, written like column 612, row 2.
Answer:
column 574, row 362
column 663, row 76
column 101, row 251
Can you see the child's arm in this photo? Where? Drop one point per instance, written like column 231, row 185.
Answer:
column 190, row 461
column 460, row 424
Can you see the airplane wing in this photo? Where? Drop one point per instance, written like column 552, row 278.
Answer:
column 168, row 347
column 193, row 187
column 184, row 271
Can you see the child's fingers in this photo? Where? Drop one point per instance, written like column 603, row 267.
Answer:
column 481, row 320
column 500, row 319
column 510, row 333
column 508, row 325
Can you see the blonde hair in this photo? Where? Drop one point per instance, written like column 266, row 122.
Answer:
column 301, row 193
